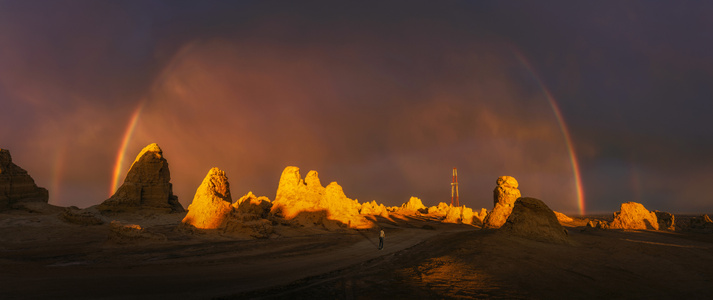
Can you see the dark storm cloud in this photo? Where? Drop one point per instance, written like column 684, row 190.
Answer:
column 383, row 97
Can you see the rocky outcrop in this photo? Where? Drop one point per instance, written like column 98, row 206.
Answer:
column 532, row 219
column 562, row 218
column 480, row 216
column 121, row 233
column 373, row 208
column 412, row 207
column 702, row 224
column 16, row 184
column 504, row 196
column 459, row 214
column 82, row 217
column 307, row 203
column 666, row 220
column 147, row 187
column 211, row 203
column 634, row 216
column 248, row 217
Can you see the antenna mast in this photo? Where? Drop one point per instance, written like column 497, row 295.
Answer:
column 454, row 188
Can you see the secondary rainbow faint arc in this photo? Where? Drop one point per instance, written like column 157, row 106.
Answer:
column 563, row 128
column 125, row 142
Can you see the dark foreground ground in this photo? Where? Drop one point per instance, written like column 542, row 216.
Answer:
column 43, row 258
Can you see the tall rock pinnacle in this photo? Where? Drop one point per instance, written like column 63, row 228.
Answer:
column 504, row 196
column 212, row 202
column 16, row 185
column 147, row 186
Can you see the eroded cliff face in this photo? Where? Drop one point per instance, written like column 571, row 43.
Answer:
column 147, row 186
column 307, row 203
column 16, row 184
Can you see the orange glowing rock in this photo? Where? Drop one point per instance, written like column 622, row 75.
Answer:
column 504, row 197
column 306, row 203
column 373, row 208
column 414, row 206
column 253, row 206
column 147, row 186
column 211, row 203
column 453, row 214
column 562, row 218
column 16, row 185
column 634, row 216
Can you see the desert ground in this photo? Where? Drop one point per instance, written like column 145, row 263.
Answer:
column 43, row 257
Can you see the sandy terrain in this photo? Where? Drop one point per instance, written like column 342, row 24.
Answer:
column 44, row 257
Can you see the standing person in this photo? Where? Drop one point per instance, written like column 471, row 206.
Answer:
column 381, row 239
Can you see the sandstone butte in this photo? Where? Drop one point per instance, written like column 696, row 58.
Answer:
column 634, row 216
column 533, row 219
column 16, row 185
column 147, row 187
column 504, row 196
column 307, row 203
column 212, row 202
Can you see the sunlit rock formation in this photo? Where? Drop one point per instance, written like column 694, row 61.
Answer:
column 248, row 217
column 414, row 206
column 147, row 186
column 16, row 184
column 453, row 214
column 562, row 218
column 634, row 216
column 504, row 197
column 666, row 220
column 211, row 203
column 373, row 208
column 532, row 219
column 307, row 203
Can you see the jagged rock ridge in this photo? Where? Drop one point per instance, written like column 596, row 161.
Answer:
column 307, row 203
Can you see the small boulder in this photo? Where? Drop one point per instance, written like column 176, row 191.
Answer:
column 532, row 219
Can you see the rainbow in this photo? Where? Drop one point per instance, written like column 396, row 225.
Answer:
column 125, row 142
column 563, row 129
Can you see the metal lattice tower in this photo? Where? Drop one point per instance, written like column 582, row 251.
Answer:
column 454, row 188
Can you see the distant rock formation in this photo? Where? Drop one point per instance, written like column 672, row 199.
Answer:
column 666, row 220
column 147, row 186
column 504, row 196
column 634, row 216
column 412, row 207
column 307, row 203
column 248, row 217
column 211, row 203
column 16, row 185
column 532, row 219
column 562, row 218
column 702, row 224
column 480, row 216
column 373, row 208
column 82, row 217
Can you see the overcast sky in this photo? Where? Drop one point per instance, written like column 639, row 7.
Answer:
column 384, row 98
